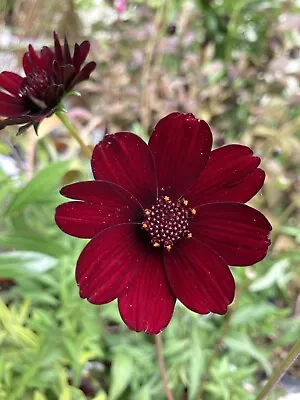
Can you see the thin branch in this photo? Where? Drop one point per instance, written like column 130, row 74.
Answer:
column 285, row 364
column 162, row 366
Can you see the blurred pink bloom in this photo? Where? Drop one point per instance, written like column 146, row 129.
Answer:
column 121, row 6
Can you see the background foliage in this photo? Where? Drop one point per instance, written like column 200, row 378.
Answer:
column 235, row 64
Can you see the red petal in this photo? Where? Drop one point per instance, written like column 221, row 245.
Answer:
column 80, row 53
column 76, row 57
column 231, row 174
column 147, row 304
column 56, row 73
column 238, row 233
column 10, row 82
column 47, row 56
column 67, row 73
column 199, row 278
column 99, row 192
column 57, row 49
column 11, row 106
column 67, row 54
column 27, row 64
column 53, row 94
column 84, row 73
column 35, row 59
column 84, row 50
column 125, row 159
column 109, row 263
column 105, row 205
column 181, row 146
column 31, row 61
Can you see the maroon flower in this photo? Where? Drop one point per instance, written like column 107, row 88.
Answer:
column 165, row 220
column 49, row 76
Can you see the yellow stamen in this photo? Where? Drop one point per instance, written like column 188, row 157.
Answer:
column 185, row 202
column 193, row 211
column 189, row 235
column 166, row 198
column 147, row 212
column 144, row 226
column 156, row 244
column 169, row 247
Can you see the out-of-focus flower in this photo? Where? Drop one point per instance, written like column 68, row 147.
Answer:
column 166, row 219
column 121, row 6
column 49, row 76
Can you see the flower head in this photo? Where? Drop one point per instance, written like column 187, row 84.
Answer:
column 49, row 76
column 166, row 219
column 121, row 6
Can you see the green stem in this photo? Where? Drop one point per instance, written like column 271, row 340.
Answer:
column 74, row 132
column 280, row 370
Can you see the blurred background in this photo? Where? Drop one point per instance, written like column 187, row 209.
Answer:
column 234, row 63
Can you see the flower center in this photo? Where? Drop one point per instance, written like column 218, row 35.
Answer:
column 167, row 221
column 34, row 86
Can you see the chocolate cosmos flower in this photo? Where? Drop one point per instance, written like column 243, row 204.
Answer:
column 166, row 219
column 49, row 76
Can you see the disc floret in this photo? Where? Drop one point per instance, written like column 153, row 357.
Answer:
column 167, row 221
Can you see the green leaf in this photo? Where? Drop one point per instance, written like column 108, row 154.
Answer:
column 39, row 396
column 100, row 396
column 291, row 230
column 61, row 107
column 122, row 369
column 196, row 364
column 14, row 264
column 74, row 93
column 144, row 394
column 4, row 148
column 36, row 127
column 174, row 347
column 276, row 274
column 39, row 187
column 249, row 314
column 29, row 241
column 243, row 344
column 5, row 190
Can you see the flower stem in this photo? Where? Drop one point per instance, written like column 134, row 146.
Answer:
column 162, row 367
column 74, row 132
column 280, row 370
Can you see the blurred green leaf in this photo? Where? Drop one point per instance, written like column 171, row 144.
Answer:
column 121, row 373
column 100, row 396
column 143, row 394
column 39, row 396
column 243, row 344
column 275, row 275
column 16, row 263
column 249, row 314
column 196, row 364
column 39, row 187
column 25, row 240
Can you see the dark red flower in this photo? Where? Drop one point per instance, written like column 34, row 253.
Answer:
column 166, row 219
column 49, row 76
